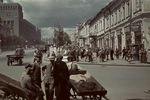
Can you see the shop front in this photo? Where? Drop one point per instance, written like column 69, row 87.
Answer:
column 137, row 44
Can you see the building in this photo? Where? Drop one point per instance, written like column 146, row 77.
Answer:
column 121, row 23
column 12, row 18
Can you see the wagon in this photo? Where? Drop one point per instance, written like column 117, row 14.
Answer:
column 85, row 86
column 14, row 58
column 11, row 88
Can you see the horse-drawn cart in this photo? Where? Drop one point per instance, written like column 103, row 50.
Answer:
column 14, row 58
column 11, row 88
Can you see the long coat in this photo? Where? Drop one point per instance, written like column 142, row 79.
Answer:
column 61, row 78
column 37, row 73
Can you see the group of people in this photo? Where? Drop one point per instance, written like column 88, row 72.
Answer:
column 19, row 51
column 56, row 78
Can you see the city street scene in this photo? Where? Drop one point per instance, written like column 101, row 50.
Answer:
column 74, row 50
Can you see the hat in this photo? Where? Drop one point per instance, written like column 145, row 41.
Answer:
column 51, row 58
column 59, row 56
column 28, row 65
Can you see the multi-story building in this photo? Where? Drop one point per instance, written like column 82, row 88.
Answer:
column 12, row 18
column 122, row 23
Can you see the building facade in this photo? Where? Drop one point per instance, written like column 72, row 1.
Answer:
column 12, row 18
column 121, row 23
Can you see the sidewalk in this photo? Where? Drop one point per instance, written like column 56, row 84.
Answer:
column 117, row 62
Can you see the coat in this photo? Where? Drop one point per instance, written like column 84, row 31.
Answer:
column 48, row 73
column 61, row 78
column 37, row 73
column 28, row 85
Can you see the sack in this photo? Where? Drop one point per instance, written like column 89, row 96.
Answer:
column 84, row 85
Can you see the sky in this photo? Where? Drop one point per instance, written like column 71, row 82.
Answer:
column 47, row 14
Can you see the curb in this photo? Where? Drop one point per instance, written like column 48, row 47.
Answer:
column 113, row 64
column 135, row 65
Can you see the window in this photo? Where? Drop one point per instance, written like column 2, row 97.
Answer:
column 123, row 14
column 138, row 5
column 112, row 17
column 103, row 23
column 128, row 9
column 119, row 15
column 107, row 20
column 116, row 16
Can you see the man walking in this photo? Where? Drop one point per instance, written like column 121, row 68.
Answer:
column 47, row 72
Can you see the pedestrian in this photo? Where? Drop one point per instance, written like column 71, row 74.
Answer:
column 82, row 53
column 53, row 54
column 86, row 55
column 90, row 55
column 61, row 79
column 140, row 55
column 37, row 71
column 107, row 53
column 144, row 60
column 117, row 53
column 38, row 53
column 97, row 49
column 77, row 54
column 129, row 56
column 124, row 52
column 70, row 56
column 100, row 55
column 148, row 56
column 111, row 54
column 33, row 92
column 47, row 72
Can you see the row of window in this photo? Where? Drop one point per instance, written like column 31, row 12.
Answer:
column 8, row 23
column 8, row 7
column 117, row 16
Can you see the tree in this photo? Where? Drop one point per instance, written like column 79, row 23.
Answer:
column 61, row 37
column 66, row 38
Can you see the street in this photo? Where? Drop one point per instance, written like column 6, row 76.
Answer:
column 121, row 82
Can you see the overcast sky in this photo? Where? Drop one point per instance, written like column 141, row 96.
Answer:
column 46, row 14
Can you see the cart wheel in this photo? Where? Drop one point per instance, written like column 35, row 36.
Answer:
column 8, row 94
column 8, row 63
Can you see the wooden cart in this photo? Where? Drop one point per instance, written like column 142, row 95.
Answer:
column 85, row 86
column 11, row 88
column 14, row 58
